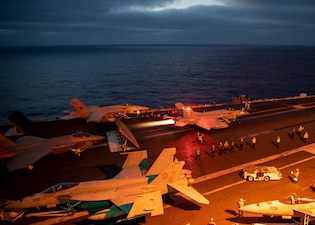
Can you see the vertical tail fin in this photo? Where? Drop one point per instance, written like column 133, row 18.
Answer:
column 188, row 113
column 135, row 165
column 164, row 160
column 169, row 172
column 137, row 158
column 179, row 105
column 166, row 168
column 80, row 108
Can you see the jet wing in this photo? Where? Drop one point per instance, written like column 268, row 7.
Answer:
column 101, row 115
column 146, row 203
column 220, row 124
column 310, row 212
column 190, row 192
column 207, row 122
column 96, row 116
column 27, row 158
column 181, row 123
column 28, row 153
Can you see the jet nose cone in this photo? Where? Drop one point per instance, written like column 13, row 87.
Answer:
column 11, row 204
column 249, row 208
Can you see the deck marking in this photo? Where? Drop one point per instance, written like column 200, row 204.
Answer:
column 309, row 148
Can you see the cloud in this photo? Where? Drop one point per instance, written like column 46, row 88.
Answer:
column 58, row 22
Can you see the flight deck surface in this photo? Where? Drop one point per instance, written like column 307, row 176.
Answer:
column 216, row 177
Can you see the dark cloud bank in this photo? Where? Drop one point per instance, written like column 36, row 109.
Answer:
column 76, row 22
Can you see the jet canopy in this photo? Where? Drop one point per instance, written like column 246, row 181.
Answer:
column 81, row 134
column 60, row 187
column 292, row 200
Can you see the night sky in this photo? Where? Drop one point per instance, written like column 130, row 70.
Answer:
column 93, row 22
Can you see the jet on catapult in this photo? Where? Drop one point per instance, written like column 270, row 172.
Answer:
column 214, row 119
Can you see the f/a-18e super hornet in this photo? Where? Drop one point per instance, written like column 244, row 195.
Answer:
column 128, row 195
column 29, row 149
column 214, row 119
column 292, row 206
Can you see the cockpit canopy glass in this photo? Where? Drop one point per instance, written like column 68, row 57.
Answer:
column 292, row 200
column 60, row 187
column 81, row 134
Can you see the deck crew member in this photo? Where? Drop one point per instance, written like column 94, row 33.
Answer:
column 241, row 143
column 198, row 154
column 292, row 133
column 254, row 140
column 212, row 151
column 300, row 129
column 305, row 137
column 220, row 148
column 232, row 146
column 240, row 203
column 226, row 146
column 278, row 141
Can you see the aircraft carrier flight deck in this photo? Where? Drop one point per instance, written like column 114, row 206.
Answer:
column 216, row 176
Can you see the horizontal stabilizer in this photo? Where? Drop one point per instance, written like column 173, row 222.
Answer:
column 6, row 153
column 6, row 142
column 190, row 192
column 147, row 203
column 26, row 158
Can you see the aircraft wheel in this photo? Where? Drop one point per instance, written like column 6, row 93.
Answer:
column 250, row 178
column 266, row 178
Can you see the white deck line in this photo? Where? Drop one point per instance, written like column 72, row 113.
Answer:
column 309, row 148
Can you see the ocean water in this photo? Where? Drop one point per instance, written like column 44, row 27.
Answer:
column 40, row 81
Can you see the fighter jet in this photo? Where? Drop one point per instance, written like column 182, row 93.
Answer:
column 128, row 195
column 287, row 208
column 29, row 149
column 101, row 114
column 215, row 119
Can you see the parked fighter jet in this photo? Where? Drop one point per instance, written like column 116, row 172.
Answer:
column 29, row 149
column 287, row 208
column 101, row 114
column 216, row 119
column 126, row 196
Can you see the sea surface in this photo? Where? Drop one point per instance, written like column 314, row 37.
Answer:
column 40, row 81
